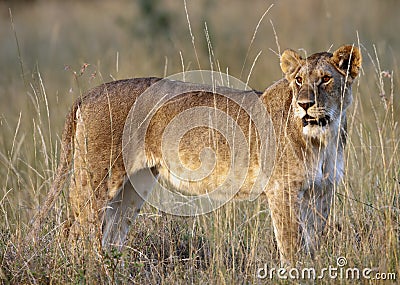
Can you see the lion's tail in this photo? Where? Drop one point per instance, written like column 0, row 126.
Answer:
column 62, row 172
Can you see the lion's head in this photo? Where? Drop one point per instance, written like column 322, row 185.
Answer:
column 321, row 86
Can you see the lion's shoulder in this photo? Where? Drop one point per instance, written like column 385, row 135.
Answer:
column 277, row 98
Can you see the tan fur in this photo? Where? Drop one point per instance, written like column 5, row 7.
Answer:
column 308, row 161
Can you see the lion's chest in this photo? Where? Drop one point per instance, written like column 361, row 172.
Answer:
column 325, row 169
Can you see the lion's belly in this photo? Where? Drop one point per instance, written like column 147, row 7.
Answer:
column 223, row 182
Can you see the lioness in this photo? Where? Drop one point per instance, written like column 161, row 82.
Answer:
column 308, row 111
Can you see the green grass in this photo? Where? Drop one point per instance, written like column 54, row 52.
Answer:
column 230, row 244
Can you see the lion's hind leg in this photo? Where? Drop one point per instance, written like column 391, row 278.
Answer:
column 122, row 210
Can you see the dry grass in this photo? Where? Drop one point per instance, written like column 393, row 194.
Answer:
column 228, row 245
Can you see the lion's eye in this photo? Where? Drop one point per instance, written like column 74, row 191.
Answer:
column 299, row 80
column 326, row 78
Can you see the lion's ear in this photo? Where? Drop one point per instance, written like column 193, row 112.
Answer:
column 348, row 59
column 290, row 62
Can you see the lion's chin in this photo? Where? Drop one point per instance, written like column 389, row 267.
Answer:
column 315, row 131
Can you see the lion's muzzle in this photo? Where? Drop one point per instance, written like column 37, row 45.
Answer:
column 308, row 120
column 308, row 109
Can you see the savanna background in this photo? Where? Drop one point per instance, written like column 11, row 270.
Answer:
column 51, row 52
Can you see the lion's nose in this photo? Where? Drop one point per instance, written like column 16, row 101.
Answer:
column 306, row 104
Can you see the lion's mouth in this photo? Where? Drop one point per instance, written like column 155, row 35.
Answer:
column 308, row 120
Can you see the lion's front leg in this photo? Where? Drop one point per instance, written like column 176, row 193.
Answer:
column 315, row 205
column 284, row 208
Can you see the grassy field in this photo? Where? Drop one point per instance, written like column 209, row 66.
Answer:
column 44, row 45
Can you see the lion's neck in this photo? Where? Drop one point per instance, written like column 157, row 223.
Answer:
column 325, row 154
